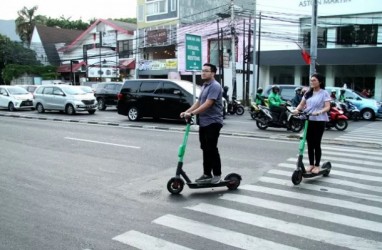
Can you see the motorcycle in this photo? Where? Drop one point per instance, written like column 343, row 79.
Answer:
column 337, row 119
column 351, row 111
column 267, row 118
column 235, row 107
column 254, row 110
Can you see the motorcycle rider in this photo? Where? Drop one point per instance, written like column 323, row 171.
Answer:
column 298, row 97
column 259, row 97
column 276, row 104
column 341, row 98
column 333, row 95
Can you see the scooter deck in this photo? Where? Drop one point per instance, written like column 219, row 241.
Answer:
column 194, row 185
column 324, row 170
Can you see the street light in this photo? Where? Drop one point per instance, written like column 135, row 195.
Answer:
column 72, row 74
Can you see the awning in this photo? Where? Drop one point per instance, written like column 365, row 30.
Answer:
column 127, row 63
column 67, row 68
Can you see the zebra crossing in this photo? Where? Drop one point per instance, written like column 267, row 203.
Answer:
column 343, row 211
column 370, row 133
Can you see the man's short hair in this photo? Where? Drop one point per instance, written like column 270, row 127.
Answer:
column 213, row 67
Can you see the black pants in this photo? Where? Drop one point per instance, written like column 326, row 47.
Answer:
column 281, row 110
column 208, row 137
column 314, row 136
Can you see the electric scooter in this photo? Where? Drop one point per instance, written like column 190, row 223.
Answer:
column 175, row 184
column 300, row 171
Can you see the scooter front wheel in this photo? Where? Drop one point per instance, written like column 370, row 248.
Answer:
column 175, row 185
column 233, row 181
column 297, row 177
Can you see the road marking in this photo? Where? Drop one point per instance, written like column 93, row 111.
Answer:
column 307, row 212
column 314, row 199
column 328, row 190
column 221, row 235
column 358, row 151
column 362, row 156
column 100, row 142
column 146, row 242
column 311, row 233
column 332, row 179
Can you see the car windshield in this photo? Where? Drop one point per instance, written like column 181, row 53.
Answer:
column 86, row 89
column 17, row 91
column 73, row 91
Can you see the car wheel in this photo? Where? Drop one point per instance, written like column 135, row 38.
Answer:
column 101, row 104
column 70, row 109
column 367, row 114
column 40, row 108
column 91, row 111
column 133, row 114
column 11, row 107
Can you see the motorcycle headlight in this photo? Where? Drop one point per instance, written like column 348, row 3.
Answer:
column 341, row 112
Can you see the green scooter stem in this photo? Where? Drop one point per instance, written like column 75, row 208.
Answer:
column 182, row 147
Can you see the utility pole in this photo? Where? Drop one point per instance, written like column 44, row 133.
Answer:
column 255, row 84
column 313, row 39
column 233, row 50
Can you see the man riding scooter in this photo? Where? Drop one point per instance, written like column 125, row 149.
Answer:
column 276, row 104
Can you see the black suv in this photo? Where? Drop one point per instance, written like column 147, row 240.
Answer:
column 156, row 98
column 287, row 92
column 106, row 94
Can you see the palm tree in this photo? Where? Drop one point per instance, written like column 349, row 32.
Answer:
column 25, row 23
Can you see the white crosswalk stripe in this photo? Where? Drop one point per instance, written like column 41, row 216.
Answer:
column 343, row 210
column 370, row 133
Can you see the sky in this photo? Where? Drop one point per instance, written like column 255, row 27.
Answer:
column 73, row 9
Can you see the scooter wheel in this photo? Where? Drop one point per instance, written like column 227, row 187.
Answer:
column 297, row 177
column 233, row 182
column 326, row 174
column 175, row 185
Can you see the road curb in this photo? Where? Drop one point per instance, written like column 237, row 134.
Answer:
column 289, row 137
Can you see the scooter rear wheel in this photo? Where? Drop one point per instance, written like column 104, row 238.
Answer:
column 233, row 181
column 175, row 185
column 297, row 177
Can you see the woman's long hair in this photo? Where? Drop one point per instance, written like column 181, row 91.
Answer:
column 320, row 79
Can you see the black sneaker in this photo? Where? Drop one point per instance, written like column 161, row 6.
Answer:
column 204, row 178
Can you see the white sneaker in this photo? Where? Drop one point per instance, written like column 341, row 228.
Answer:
column 216, row 179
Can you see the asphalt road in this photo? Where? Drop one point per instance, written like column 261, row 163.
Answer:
column 68, row 182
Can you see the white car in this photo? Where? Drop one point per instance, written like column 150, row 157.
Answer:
column 15, row 97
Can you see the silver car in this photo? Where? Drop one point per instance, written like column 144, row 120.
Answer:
column 15, row 98
column 67, row 98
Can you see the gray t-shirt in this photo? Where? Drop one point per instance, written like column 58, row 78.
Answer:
column 316, row 103
column 211, row 91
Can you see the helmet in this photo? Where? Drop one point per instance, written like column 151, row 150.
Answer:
column 298, row 90
column 334, row 91
column 342, row 91
column 275, row 88
column 260, row 90
column 226, row 88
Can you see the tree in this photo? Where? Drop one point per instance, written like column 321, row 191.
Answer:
column 25, row 23
column 14, row 53
column 66, row 23
column 127, row 20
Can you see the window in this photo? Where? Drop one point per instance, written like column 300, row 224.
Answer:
column 57, row 91
column 154, row 7
column 173, row 5
column 171, row 89
column 149, row 87
column 125, row 49
column 48, row 91
column 357, row 34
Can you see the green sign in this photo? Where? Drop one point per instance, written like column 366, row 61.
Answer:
column 193, row 52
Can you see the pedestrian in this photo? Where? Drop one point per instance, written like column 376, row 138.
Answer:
column 209, row 108
column 316, row 102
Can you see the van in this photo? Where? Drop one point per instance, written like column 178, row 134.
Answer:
column 156, row 98
column 106, row 94
column 369, row 108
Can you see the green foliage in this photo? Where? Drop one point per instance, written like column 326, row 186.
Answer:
column 12, row 71
column 66, row 23
column 127, row 20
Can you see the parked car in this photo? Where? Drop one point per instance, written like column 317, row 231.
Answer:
column 106, row 94
column 66, row 98
column 286, row 91
column 15, row 97
column 157, row 98
column 369, row 108
column 29, row 88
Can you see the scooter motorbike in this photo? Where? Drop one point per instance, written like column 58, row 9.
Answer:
column 267, row 118
column 337, row 119
column 175, row 184
column 351, row 111
column 300, row 171
column 235, row 107
column 254, row 110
